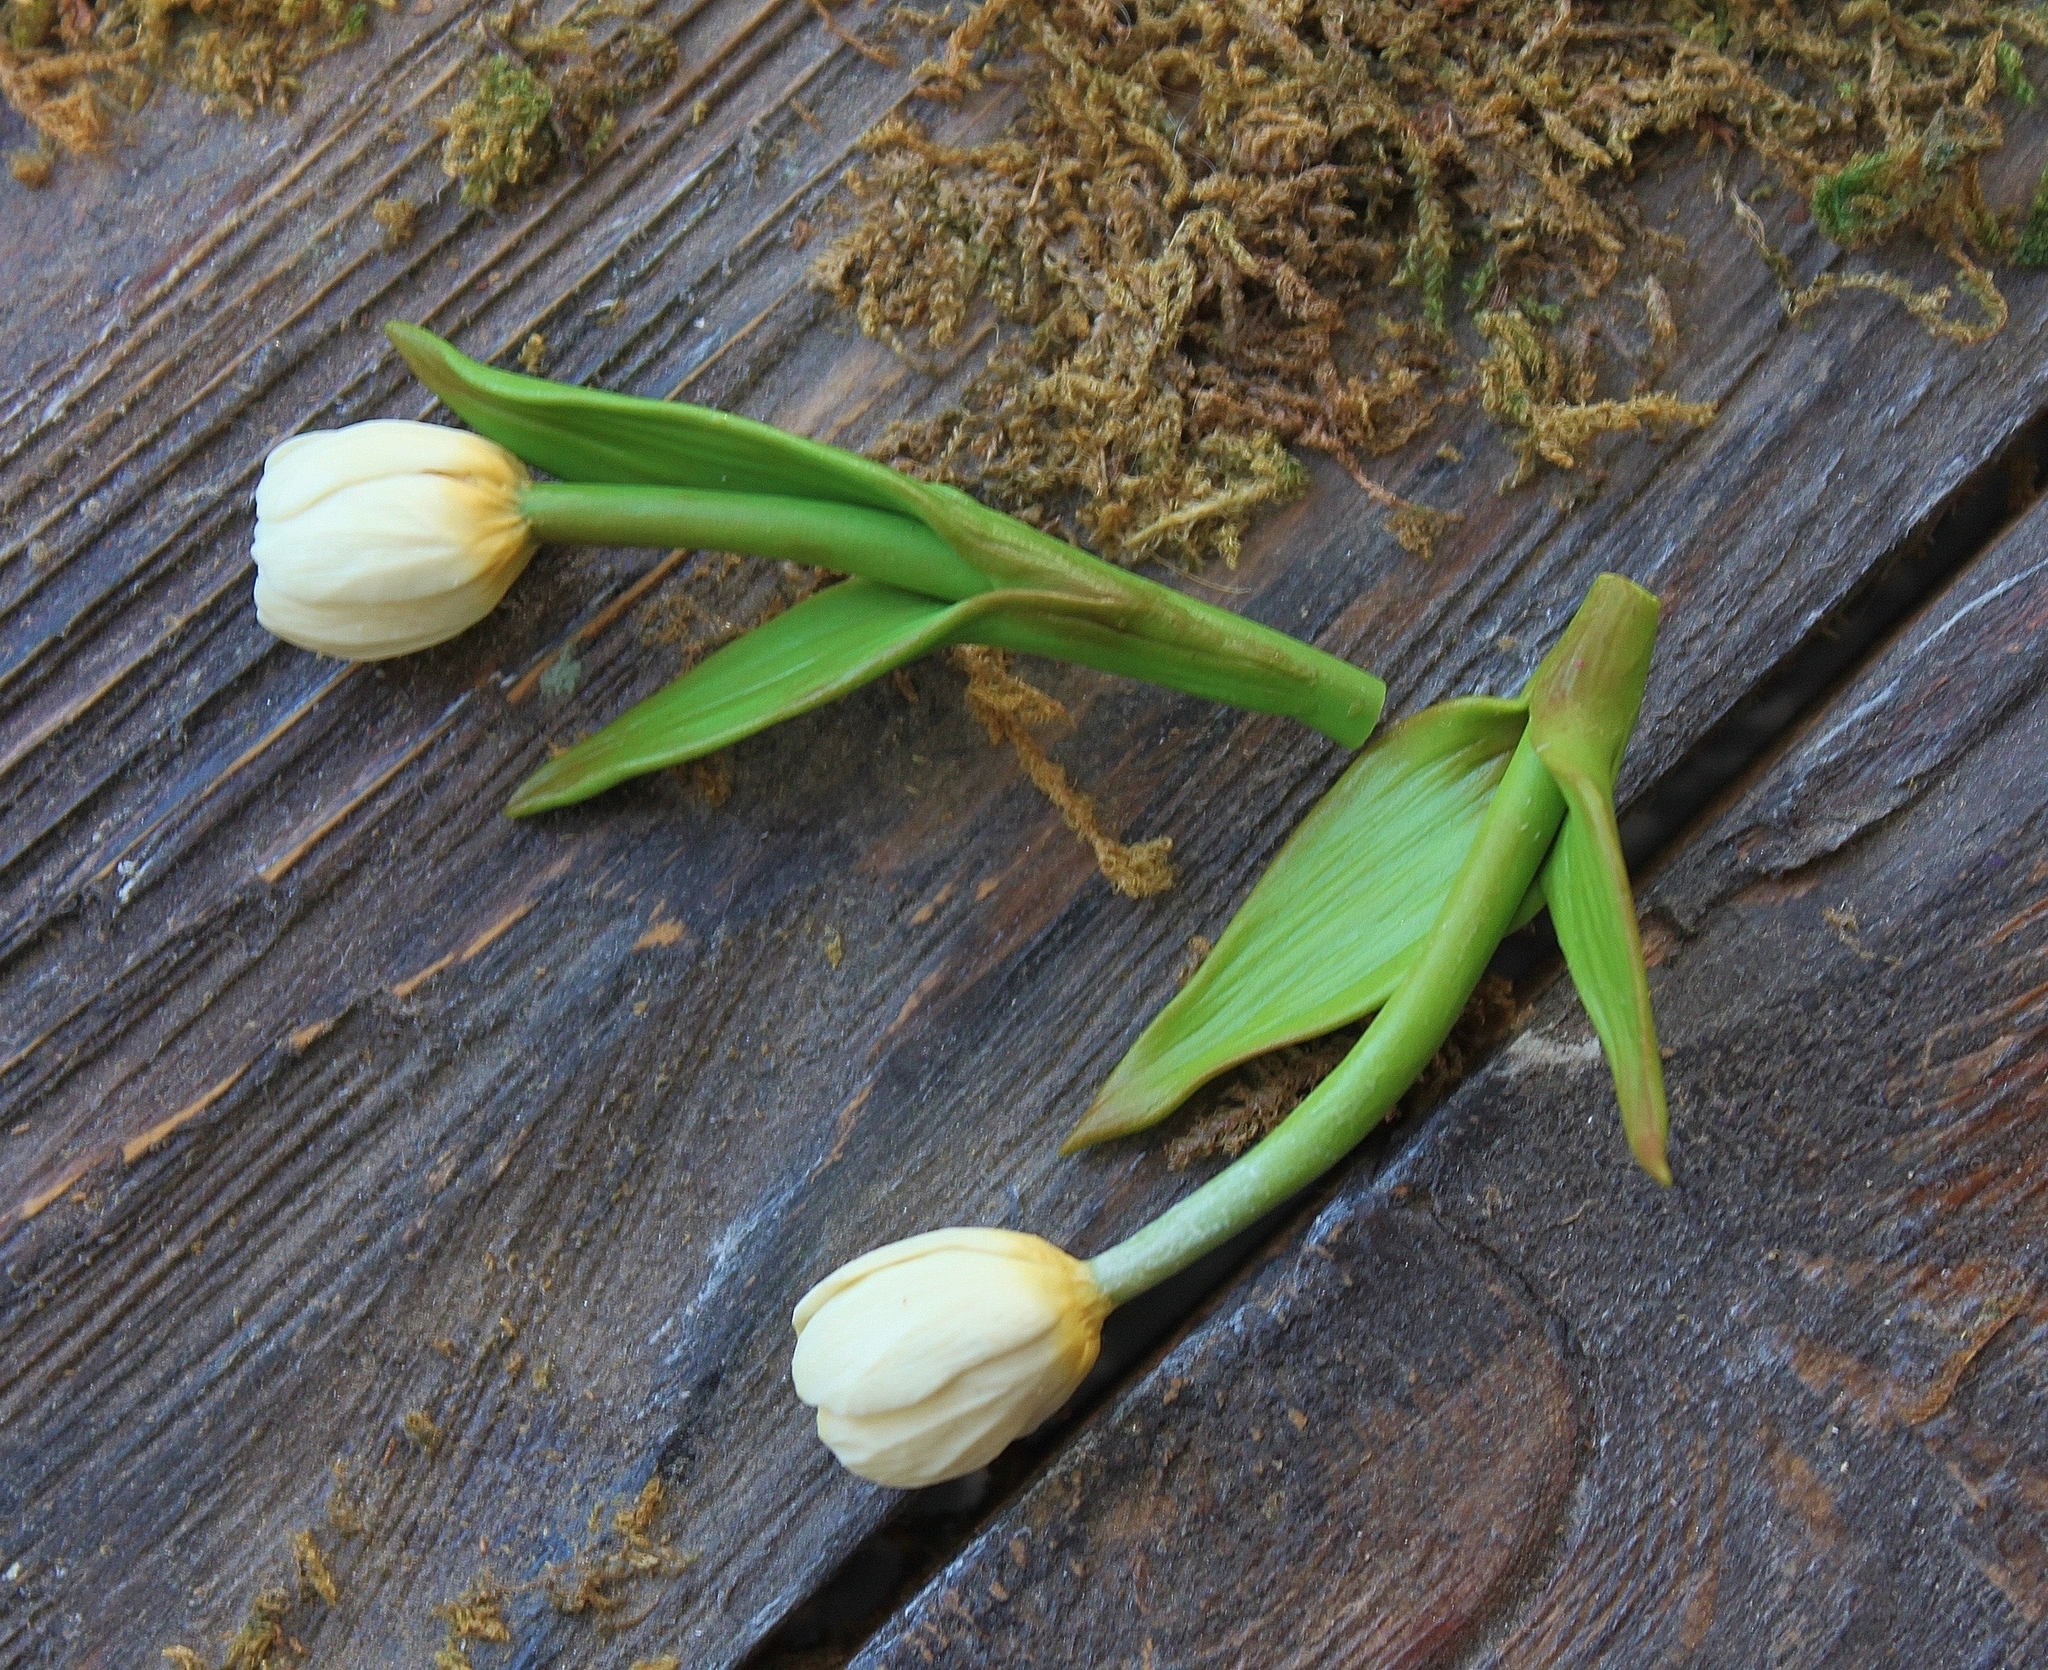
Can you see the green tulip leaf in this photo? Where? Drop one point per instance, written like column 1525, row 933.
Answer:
column 1583, row 704
column 594, row 436
column 827, row 645
column 1337, row 919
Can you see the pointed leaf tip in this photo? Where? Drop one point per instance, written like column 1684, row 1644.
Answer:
column 1583, row 705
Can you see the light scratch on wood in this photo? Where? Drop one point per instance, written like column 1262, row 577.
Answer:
column 598, row 623
column 278, row 867
column 135, row 1147
column 53, row 1191
column 304, row 1038
column 489, row 936
column 247, row 757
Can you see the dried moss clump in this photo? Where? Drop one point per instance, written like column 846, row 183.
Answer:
column 499, row 136
column 74, row 68
column 547, row 93
column 397, row 221
column 1270, row 1087
column 1220, row 229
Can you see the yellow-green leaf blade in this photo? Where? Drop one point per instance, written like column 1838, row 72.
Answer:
column 1586, row 885
column 1335, row 921
column 1583, row 705
column 819, row 650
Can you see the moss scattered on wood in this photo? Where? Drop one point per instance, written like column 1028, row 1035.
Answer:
column 478, row 1614
column 1221, row 229
column 344, row 1509
column 262, row 1638
column 422, row 1429
column 314, row 1575
column 74, row 70
column 624, row 1552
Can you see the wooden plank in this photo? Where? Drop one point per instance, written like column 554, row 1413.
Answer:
column 1508, row 1399
column 395, row 1073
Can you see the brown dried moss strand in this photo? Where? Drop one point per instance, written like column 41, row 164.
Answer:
column 1007, row 707
column 314, row 1575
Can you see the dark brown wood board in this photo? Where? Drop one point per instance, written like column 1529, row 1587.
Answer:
column 410, row 1091
column 1509, row 1403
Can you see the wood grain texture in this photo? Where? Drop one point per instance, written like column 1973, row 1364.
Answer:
column 1369, row 1453
column 339, row 1091
column 1807, row 1383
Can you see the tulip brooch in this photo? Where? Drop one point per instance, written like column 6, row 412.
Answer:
column 368, row 545
column 926, row 1357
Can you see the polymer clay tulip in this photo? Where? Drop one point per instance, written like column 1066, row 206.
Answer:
column 930, row 566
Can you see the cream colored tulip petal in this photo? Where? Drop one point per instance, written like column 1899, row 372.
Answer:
column 306, row 468
column 1007, row 1242
column 391, row 542
column 373, row 631
column 904, row 1331
column 961, row 1428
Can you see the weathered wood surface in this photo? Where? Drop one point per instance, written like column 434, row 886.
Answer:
column 1508, row 1400
column 388, row 1069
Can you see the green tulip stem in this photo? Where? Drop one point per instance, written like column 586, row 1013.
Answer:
column 1519, row 827
column 1069, row 605
column 852, row 539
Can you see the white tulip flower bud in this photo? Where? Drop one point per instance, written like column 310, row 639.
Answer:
column 927, row 1356
column 385, row 537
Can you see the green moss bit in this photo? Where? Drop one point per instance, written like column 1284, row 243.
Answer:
column 2012, row 75
column 499, row 137
column 2032, row 248
column 31, row 23
column 1222, row 229
column 1873, row 193
column 547, row 93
